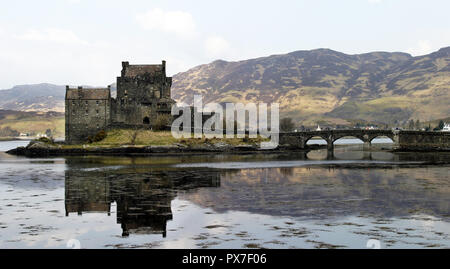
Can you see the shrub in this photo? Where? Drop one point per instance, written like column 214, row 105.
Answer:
column 287, row 125
column 97, row 137
column 44, row 140
column 162, row 122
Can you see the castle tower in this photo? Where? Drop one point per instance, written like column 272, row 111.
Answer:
column 143, row 92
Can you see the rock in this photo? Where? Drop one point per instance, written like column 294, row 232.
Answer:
column 183, row 146
column 40, row 145
column 222, row 146
column 245, row 147
column 162, row 149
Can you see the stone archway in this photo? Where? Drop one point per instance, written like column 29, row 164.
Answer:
column 146, row 120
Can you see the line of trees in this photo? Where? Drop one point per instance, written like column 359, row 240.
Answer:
column 8, row 132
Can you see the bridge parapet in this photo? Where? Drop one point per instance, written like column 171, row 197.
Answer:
column 408, row 140
column 423, row 141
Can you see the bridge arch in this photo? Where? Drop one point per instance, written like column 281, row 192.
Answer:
column 308, row 138
column 361, row 139
column 390, row 137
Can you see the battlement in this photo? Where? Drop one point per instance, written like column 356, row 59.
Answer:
column 132, row 71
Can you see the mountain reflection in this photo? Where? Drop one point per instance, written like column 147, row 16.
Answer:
column 326, row 192
column 144, row 188
column 143, row 198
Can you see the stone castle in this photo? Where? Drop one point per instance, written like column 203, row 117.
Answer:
column 143, row 93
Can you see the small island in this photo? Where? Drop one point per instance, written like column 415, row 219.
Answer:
column 146, row 142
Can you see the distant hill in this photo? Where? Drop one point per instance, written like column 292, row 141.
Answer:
column 312, row 86
column 32, row 123
column 325, row 85
column 37, row 97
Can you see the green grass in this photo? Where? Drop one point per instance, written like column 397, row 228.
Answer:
column 124, row 137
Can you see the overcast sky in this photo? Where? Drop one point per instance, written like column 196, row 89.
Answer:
column 81, row 42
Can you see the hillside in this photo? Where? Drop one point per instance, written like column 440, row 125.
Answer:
column 33, row 122
column 37, row 97
column 313, row 86
column 327, row 85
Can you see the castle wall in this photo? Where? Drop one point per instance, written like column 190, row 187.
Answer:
column 87, row 113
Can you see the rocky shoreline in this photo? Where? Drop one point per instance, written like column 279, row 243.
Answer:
column 41, row 149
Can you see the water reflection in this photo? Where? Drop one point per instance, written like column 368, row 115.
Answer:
column 293, row 200
column 398, row 186
column 318, row 193
column 143, row 198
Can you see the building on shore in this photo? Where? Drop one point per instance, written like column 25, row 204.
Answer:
column 143, row 94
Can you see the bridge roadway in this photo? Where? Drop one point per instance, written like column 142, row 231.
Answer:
column 408, row 140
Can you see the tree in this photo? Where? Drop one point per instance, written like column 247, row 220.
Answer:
column 48, row 132
column 286, row 125
column 441, row 125
column 8, row 132
column 411, row 124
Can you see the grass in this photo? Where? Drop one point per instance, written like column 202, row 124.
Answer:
column 121, row 137
column 124, row 137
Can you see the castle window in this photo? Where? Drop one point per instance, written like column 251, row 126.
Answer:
column 87, row 112
column 98, row 126
column 73, row 102
column 86, row 102
column 97, row 102
column 73, row 112
column 97, row 111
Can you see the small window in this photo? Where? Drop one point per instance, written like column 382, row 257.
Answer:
column 73, row 102
column 97, row 111
column 86, row 102
column 73, row 112
column 97, row 102
column 87, row 112
column 98, row 126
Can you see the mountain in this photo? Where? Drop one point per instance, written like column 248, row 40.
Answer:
column 326, row 85
column 42, row 97
column 32, row 123
column 312, row 86
column 37, row 97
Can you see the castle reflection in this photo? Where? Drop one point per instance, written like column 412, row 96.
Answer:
column 143, row 198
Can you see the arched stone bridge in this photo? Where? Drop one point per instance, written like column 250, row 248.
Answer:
column 408, row 140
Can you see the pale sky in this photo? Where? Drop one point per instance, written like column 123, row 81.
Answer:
column 81, row 42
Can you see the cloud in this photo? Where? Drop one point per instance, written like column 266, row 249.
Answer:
column 217, row 46
column 52, row 35
column 180, row 23
column 423, row 47
column 374, row 1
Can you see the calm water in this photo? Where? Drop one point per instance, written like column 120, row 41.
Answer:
column 227, row 201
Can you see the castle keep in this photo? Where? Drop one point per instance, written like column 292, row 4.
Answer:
column 143, row 93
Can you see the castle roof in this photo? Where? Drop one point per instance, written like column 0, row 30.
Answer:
column 136, row 70
column 88, row 93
